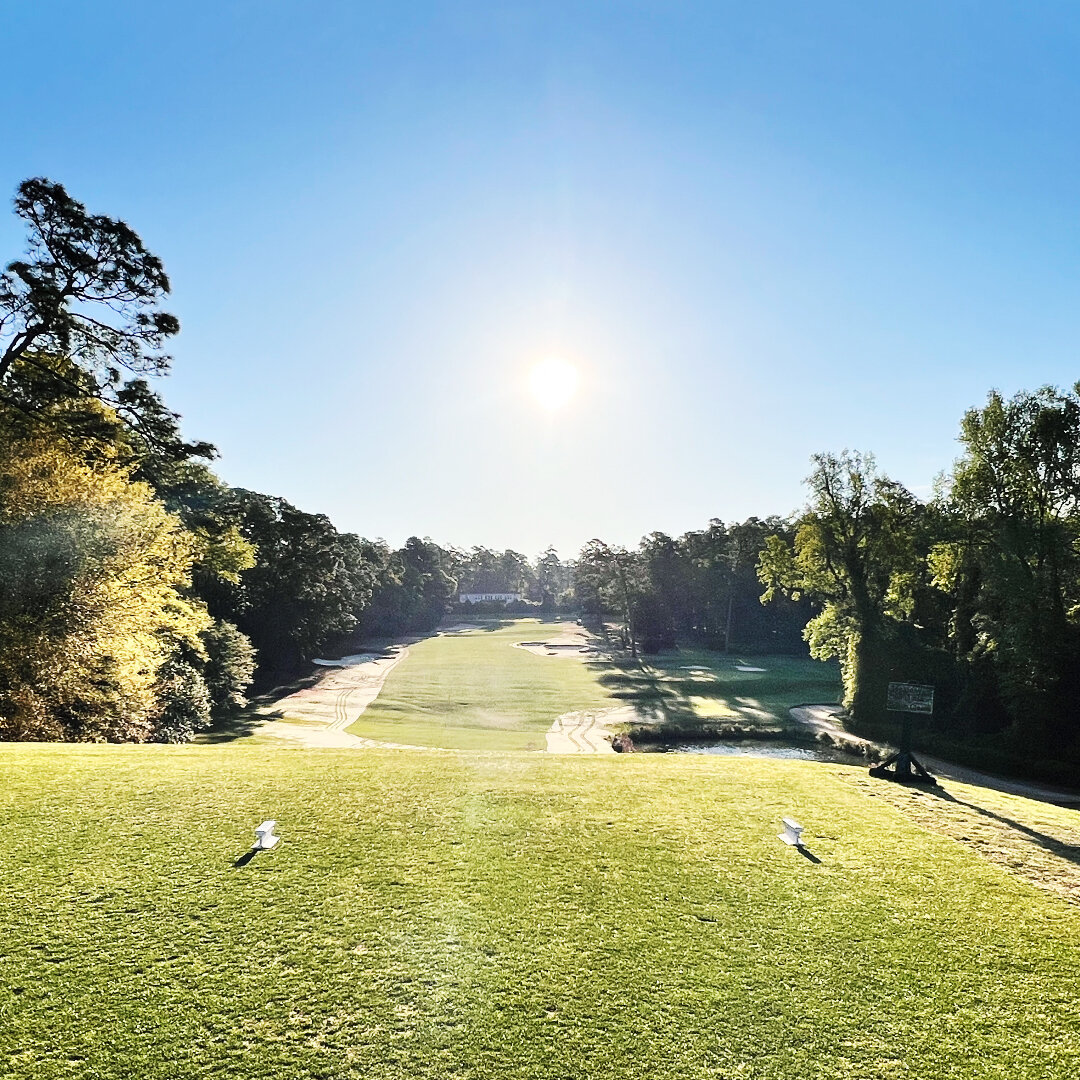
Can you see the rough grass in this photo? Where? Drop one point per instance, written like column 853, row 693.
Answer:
column 1034, row 840
column 471, row 689
column 509, row 916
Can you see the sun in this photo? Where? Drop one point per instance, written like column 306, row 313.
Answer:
column 553, row 383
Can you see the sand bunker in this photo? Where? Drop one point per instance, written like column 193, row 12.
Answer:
column 348, row 661
column 326, row 708
column 586, row 732
column 568, row 643
column 747, row 667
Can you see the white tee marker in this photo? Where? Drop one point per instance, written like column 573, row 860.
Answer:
column 264, row 836
column 792, row 833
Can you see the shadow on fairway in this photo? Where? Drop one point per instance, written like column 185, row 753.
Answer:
column 245, row 859
column 650, row 690
column 233, row 727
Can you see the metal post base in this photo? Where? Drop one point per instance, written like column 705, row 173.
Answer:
column 903, row 768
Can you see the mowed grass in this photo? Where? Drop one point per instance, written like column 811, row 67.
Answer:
column 509, row 916
column 693, row 688
column 471, row 689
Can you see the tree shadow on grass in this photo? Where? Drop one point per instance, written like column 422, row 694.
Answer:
column 228, row 729
column 660, row 694
column 641, row 686
column 1069, row 852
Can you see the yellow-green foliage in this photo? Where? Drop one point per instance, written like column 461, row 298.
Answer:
column 93, row 605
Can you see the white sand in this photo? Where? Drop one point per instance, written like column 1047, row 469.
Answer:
column 570, row 642
column 586, row 732
column 330, row 705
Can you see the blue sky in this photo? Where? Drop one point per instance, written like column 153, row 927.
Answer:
column 759, row 230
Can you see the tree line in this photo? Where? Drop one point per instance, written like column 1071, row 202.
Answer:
column 140, row 595
column 701, row 588
column 975, row 591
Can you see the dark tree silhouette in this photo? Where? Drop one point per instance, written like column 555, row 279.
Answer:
column 88, row 290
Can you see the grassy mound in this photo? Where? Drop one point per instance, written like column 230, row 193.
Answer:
column 509, row 916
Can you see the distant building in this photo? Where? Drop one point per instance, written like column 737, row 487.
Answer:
column 490, row 597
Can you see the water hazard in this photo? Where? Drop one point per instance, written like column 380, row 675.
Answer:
column 766, row 749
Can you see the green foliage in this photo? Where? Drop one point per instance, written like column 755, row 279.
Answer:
column 483, row 570
column 855, row 551
column 1011, row 561
column 700, row 588
column 183, row 702
column 94, row 603
column 308, row 582
column 229, row 667
column 554, row 579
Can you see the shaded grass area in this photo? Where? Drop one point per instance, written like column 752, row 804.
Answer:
column 471, row 689
column 691, row 693
column 510, row 916
column 1035, row 840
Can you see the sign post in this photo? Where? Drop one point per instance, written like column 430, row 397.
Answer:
column 908, row 699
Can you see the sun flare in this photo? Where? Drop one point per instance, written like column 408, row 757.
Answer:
column 553, row 383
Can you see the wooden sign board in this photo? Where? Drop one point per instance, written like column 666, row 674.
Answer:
column 908, row 697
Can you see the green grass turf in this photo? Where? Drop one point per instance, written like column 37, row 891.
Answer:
column 472, row 690
column 664, row 687
column 508, row 916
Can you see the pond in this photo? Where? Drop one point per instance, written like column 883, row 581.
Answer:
column 764, row 749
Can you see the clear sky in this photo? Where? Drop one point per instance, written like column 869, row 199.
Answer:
column 757, row 230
